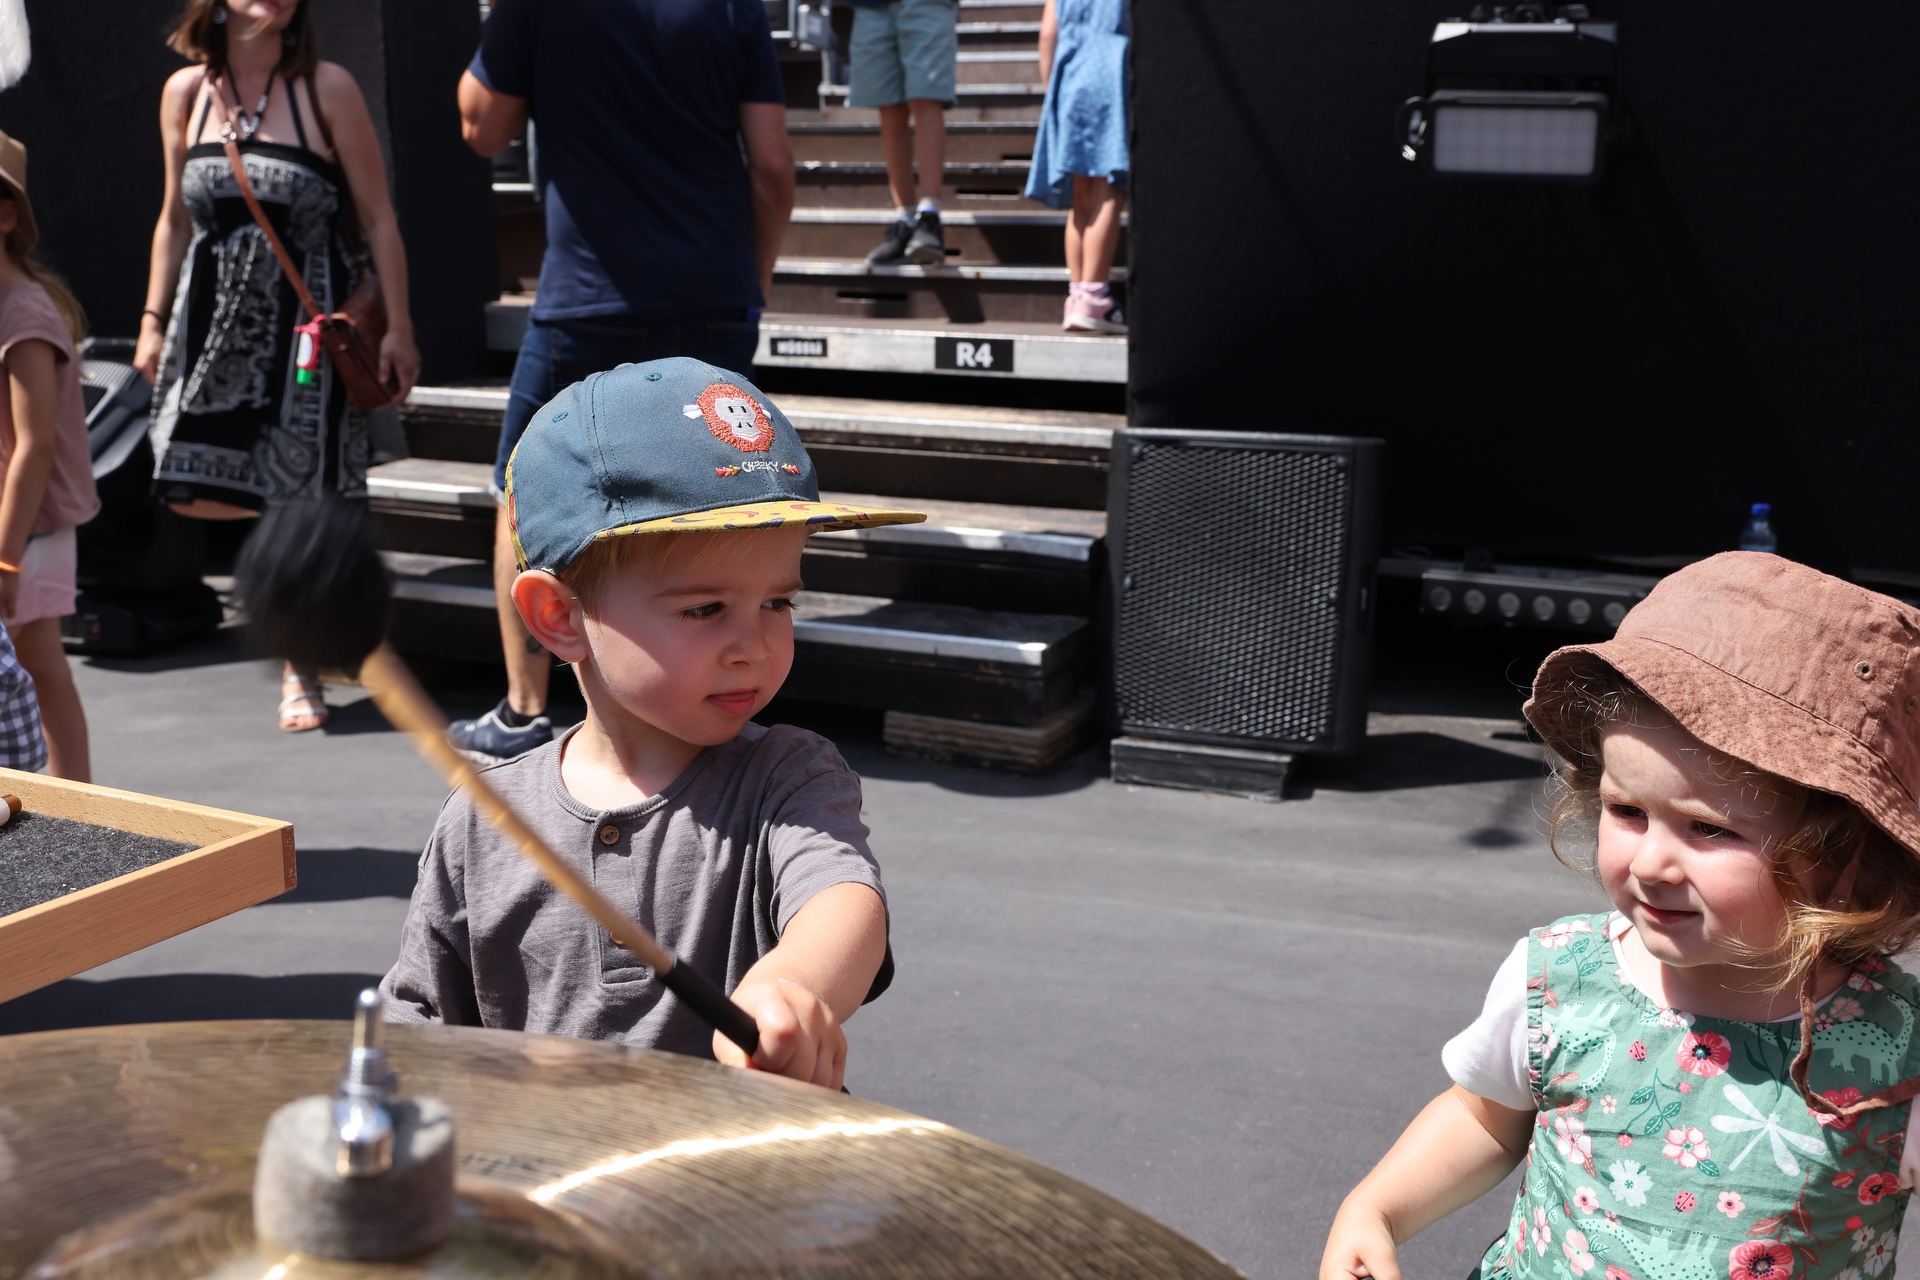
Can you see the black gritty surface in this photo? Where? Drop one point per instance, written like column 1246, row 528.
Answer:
column 43, row 857
column 1220, row 1011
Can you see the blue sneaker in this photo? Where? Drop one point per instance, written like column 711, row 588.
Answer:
column 492, row 736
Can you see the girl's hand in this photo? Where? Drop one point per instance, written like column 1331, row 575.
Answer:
column 146, row 352
column 400, row 359
column 1360, row 1244
column 799, row 1036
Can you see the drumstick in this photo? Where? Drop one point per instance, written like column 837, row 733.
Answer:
column 317, row 594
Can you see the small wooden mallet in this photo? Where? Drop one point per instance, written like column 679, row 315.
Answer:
column 318, row 595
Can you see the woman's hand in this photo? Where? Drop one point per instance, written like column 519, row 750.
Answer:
column 399, row 359
column 799, row 1036
column 146, row 352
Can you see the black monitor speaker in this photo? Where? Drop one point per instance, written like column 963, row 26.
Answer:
column 1242, row 581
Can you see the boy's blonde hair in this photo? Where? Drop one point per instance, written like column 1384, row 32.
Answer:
column 1880, row 914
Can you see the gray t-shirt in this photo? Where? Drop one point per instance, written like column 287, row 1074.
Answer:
column 714, row 865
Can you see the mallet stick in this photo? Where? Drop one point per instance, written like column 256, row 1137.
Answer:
column 407, row 705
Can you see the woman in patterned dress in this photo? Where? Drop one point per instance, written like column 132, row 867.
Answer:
column 234, row 427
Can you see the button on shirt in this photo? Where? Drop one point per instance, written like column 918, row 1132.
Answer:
column 714, row 866
column 637, row 108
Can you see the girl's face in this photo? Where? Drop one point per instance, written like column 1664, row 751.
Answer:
column 258, row 17
column 1683, row 850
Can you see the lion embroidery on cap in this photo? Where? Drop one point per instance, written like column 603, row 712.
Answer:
column 736, row 417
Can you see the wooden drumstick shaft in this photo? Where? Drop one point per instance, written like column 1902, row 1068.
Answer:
column 407, row 705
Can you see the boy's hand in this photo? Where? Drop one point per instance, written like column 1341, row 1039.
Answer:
column 1360, row 1244
column 799, row 1036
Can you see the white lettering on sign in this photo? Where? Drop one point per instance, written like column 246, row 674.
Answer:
column 813, row 348
column 969, row 356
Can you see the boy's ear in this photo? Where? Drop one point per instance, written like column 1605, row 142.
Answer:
column 548, row 607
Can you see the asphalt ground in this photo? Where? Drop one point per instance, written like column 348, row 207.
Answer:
column 1219, row 1010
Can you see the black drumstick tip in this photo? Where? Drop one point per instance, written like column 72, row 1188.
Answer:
column 315, row 589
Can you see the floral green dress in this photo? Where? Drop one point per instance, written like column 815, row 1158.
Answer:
column 1675, row 1147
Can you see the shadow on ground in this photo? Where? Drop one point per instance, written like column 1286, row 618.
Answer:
column 1392, row 761
column 343, row 875
column 183, row 997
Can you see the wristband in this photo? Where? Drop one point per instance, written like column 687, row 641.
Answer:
column 10, row 568
column 149, row 311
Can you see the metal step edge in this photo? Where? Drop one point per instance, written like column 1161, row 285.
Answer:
column 1024, row 89
column 997, row 28
column 1064, row 358
column 964, row 168
column 816, row 214
column 854, row 268
column 999, row 55
column 850, row 129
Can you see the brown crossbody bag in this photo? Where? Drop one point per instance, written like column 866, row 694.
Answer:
column 350, row 336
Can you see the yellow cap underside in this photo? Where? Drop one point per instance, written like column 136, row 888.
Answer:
column 770, row 515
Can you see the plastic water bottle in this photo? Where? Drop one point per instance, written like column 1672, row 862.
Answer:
column 1758, row 535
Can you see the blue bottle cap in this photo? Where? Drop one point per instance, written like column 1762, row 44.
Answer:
column 1761, row 510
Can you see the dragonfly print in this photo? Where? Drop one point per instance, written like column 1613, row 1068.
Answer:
column 1765, row 1126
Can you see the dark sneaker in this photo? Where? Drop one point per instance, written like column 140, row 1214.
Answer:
column 928, row 244
column 893, row 250
column 491, row 736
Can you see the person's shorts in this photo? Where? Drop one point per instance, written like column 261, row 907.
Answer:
column 905, row 49
column 556, row 354
column 47, row 571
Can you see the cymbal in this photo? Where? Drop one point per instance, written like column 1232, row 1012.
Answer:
column 129, row 1151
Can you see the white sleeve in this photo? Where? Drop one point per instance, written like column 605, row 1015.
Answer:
column 1489, row 1058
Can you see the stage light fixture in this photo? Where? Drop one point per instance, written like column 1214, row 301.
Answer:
column 1520, row 92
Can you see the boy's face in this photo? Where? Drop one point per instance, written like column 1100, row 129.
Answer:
column 696, row 648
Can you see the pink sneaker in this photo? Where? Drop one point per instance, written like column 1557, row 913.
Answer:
column 1095, row 312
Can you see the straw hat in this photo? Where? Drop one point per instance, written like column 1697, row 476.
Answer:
column 1795, row 672
column 13, row 169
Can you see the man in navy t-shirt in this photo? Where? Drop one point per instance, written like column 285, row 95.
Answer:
column 660, row 240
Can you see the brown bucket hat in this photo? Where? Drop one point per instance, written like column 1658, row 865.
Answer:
column 1776, row 664
column 13, row 171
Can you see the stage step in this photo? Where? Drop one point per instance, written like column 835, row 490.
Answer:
column 968, row 142
column 1023, row 233
column 1008, row 93
column 984, row 186
column 960, row 292
column 1002, row 349
column 929, row 659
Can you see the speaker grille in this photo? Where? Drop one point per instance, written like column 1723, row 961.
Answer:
column 1229, row 612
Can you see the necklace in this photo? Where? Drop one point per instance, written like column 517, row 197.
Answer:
column 245, row 127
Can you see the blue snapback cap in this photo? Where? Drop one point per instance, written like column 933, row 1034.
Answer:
column 667, row 446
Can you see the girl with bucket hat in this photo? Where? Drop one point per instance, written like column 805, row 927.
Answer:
column 1713, row 1079
column 47, row 488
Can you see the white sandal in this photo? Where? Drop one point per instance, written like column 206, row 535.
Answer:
column 309, row 692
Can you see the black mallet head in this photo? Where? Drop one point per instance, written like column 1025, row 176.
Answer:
column 315, row 589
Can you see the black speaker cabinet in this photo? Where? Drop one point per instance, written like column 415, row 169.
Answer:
column 1242, row 569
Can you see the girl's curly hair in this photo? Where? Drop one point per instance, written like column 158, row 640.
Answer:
column 1880, row 912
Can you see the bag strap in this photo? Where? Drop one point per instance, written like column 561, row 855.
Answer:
column 229, row 139
column 357, row 235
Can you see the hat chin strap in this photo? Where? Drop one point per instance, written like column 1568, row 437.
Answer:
column 1892, row 1095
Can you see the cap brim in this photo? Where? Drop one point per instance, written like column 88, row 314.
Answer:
column 814, row 516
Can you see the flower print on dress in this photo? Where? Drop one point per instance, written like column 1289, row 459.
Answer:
column 1586, row 1199
column 1616, row 1273
column 1731, row 1204
column 1841, row 1009
column 1674, row 1018
column 1765, row 1126
column 1542, row 1234
column 1878, row 1187
column 1574, row 1245
column 1629, row 1182
column 1863, row 1237
column 1571, row 1140
column 1851, row 1273
column 1859, row 980
column 1688, row 1146
column 1878, row 1254
column 1840, row 1098
column 1844, row 1178
column 1560, row 935
column 1760, row 1260
column 1704, row 1053
column 1607, row 1105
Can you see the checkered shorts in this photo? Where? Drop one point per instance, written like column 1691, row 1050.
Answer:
column 21, row 744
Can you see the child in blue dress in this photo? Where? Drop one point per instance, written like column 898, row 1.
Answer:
column 1712, row 1081
column 1080, row 150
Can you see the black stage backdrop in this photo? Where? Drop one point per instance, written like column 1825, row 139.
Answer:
column 1728, row 317
column 88, row 112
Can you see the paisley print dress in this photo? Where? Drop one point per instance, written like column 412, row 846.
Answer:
column 230, row 420
column 1675, row 1147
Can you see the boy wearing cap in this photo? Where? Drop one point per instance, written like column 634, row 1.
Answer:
column 658, row 513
